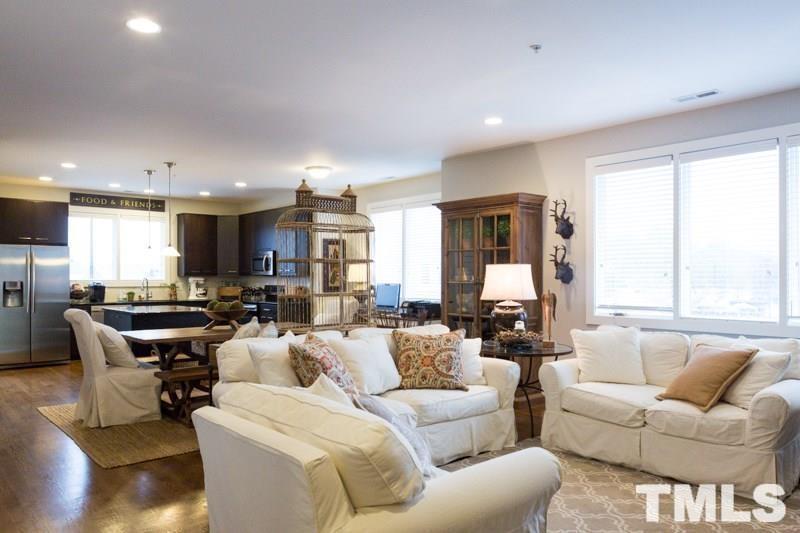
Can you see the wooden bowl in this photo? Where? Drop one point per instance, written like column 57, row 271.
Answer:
column 225, row 316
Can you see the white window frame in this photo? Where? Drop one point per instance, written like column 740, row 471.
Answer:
column 783, row 327
column 116, row 216
column 403, row 204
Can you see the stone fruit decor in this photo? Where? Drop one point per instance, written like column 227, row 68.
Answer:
column 224, row 313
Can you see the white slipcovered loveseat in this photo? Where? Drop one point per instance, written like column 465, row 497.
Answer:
column 454, row 423
column 625, row 423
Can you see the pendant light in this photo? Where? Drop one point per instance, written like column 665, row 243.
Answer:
column 149, row 205
column 170, row 250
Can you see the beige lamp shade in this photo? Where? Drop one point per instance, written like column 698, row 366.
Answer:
column 508, row 282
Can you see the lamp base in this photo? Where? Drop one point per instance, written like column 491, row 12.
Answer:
column 505, row 314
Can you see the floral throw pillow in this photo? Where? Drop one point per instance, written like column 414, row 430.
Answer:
column 430, row 361
column 314, row 357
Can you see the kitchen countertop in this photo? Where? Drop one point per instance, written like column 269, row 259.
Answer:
column 152, row 309
column 80, row 303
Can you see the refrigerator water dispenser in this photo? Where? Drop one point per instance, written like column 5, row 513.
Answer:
column 12, row 294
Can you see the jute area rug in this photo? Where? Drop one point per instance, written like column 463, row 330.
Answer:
column 599, row 497
column 124, row 445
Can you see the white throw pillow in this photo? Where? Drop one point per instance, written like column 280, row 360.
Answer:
column 116, row 350
column 377, row 464
column 370, row 363
column 249, row 330
column 779, row 345
column 270, row 358
column 233, row 361
column 471, row 361
column 326, row 388
column 765, row 369
column 610, row 356
column 327, row 335
column 711, row 340
column 664, row 354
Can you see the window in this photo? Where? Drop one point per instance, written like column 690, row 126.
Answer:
column 698, row 236
column 633, row 238
column 408, row 247
column 107, row 247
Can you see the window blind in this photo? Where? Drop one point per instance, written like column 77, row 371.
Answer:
column 793, row 226
column 729, row 246
column 633, row 232
column 423, row 264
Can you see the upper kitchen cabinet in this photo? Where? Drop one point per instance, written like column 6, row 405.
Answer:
column 227, row 245
column 197, row 243
column 30, row 222
column 256, row 233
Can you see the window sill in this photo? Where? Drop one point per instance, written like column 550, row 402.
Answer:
column 691, row 325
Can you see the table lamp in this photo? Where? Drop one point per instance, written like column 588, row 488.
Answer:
column 508, row 283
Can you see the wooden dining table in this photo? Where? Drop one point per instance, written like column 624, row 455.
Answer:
column 179, row 341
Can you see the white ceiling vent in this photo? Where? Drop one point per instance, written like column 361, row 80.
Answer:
column 696, row 96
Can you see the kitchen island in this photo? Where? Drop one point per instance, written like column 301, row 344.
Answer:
column 130, row 317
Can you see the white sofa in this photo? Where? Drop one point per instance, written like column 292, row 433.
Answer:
column 454, row 423
column 625, row 424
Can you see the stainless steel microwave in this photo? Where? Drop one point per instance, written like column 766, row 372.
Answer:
column 263, row 263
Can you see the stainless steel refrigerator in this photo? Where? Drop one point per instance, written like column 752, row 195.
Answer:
column 35, row 293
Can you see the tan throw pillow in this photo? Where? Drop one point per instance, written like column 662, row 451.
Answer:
column 709, row 373
column 430, row 361
column 314, row 357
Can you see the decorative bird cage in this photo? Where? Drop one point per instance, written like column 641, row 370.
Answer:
column 325, row 264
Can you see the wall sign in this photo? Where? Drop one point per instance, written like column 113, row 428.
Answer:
column 115, row 202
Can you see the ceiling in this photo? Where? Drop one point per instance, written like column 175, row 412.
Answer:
column 255, row 90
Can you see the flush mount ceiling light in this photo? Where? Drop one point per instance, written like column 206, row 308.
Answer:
column 143, row 25
column 114, row 185
column 45, row 178
column 319, row 172
column 240, row 184
column 67, row 164
column 493, row 121
column 149, row 191
column 204, row 193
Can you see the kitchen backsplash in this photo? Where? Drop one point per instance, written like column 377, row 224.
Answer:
column 161, row 290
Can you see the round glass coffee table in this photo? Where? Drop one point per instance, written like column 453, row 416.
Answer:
column 527, row 383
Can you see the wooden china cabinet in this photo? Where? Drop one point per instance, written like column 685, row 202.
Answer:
column 476, row 232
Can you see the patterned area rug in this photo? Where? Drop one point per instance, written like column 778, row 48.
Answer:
column 599, row 497
column 124, row 445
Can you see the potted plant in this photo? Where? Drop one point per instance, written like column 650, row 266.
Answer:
column 488, row 235
column 503, row 231
column 130, row 295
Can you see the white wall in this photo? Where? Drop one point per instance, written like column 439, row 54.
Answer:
column 396, row 189
column 557, row 168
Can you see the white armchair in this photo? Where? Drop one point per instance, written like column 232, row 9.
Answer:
column 258, row 479
column 111, row 395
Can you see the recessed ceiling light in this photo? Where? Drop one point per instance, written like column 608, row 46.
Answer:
column 204, row 193
column 45, row 178
column 143, row 25
column 319, row 172
column 493, row 121
column 149, row 191
column 114, row 185
column 67, row 164
column 240, row 184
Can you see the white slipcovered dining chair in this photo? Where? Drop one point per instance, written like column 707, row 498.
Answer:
column 111, row 395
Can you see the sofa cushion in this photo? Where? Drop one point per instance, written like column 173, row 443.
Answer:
column 370, row 363
column 779, row 345
column 664, row 354
column 386, row 333
column 430, row 361
column 314, row 357
column 376, row 464
column 617, row 403
column 434, row 405
column 765, row 369
column 270, row 357
column 722, row 424
column 611, row 356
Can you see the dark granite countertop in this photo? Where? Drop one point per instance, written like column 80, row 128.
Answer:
column 151, row 309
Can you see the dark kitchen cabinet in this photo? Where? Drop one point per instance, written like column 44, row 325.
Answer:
column 256, row 233
column 227, row 245
column 30, row 222
column 197, row 243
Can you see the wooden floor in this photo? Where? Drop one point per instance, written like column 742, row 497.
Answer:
column 48, row 484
